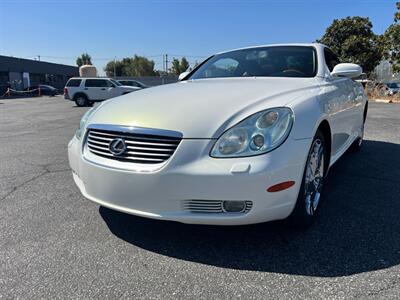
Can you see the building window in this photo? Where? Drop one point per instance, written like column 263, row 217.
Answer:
column 4, row 79
column 4, row 82
column 36, row 79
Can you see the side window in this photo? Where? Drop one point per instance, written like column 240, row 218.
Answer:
column 74, row 82
column 331, row 59
column 224, row 67
column 109, row 83
column 104, row 83
column 96, row 83
column 91, row 83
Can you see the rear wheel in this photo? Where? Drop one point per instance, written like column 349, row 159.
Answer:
column 308, row 200
column 81, row 100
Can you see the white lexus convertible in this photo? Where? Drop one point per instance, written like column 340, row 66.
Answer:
column 248, row 136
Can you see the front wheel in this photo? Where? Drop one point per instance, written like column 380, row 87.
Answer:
column 309, row 198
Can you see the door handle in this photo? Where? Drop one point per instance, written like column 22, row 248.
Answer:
column 86, row 89
column 103, row 89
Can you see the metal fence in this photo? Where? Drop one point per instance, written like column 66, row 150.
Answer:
column 152, row 80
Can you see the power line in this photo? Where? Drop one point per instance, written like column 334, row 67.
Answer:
column 192, row 56
column 161, row 61
column 112, row 58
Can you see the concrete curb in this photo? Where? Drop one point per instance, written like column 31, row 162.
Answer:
column 384, row 101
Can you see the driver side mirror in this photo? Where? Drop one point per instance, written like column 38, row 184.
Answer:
column 346, row 70
column 183, row 75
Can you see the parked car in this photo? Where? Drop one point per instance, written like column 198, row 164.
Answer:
column 86, row 91
column 363, row 79
column 131, row 82
column 44, row 90
column 392, row 88
column 248, row 136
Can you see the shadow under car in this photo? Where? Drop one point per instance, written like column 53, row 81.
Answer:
column 357, row 231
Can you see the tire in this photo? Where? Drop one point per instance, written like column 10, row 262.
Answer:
column 81, row 100
column 309, row 199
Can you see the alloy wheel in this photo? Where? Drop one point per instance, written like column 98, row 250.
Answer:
column 314, row 177
column 81, row 101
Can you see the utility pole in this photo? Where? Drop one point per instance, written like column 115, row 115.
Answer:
column 38, row 57
column 114, row 67
column 166, row 63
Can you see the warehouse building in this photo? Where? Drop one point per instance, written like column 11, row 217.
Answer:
column 19, row 73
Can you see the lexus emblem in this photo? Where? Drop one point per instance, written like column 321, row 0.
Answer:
column 117, row 146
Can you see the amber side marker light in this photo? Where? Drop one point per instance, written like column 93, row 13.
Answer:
column 280, row 186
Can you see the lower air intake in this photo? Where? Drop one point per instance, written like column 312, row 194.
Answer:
column 212, row 206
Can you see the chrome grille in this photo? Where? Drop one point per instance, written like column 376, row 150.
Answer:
column 209, row 206
column 140, row 148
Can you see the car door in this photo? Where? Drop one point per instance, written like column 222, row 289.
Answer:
column 339, row 92
column 351, row 115
column 113, row 90
column 357, row 109
column 96, row 89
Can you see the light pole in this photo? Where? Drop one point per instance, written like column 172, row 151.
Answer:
column 115, row 58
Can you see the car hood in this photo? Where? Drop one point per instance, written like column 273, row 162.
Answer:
column 128, row 87
column 200, row 108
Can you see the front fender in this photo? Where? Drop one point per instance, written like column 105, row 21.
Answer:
column 308, row 114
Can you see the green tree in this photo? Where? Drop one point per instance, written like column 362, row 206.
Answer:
column 391, row 44
column 184, row 64
column 140, row 66
column 354, row 41
column 131, row 66
column 391, row 41
column 84, row 59
column 109, row 68
column 176, row 66
column 179, row 67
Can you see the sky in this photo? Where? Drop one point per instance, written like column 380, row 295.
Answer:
column 59, row 31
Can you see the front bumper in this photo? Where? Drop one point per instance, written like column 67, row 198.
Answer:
column 192, row 174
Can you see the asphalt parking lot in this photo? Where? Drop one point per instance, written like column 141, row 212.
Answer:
column 56, row 244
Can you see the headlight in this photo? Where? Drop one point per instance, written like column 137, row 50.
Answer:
column 257, row 134
column 82, row 123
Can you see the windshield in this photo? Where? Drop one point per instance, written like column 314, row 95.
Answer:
column 274, row 61
column 115, row 82
column 393, row 85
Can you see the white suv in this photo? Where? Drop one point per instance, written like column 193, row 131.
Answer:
column 85, row 91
